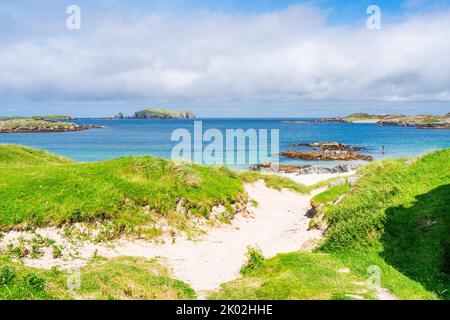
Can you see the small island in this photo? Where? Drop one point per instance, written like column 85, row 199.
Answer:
column 30, row 125
column 426, row 121
column 158, row 113
column 155, row 113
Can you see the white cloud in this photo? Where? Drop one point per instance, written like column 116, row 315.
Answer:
column 289, row 55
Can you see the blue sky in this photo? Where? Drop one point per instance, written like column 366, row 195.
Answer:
column 252, row 57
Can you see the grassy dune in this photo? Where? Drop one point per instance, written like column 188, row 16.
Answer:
column 133, row 194
column 17, row 156
column 121, row 278
column 395, row 218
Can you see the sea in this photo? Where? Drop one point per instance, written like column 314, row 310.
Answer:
column 132, row 137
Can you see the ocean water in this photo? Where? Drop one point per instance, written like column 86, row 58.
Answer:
column 153, row 137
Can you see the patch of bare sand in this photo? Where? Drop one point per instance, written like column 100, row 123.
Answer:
column 278, row 224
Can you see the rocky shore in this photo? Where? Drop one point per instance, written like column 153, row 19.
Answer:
column 426, row 121
column 31, row 126
column 332, row 146
column 304, row 170
column 326, row 155
column 328, row 151
column 435, row 125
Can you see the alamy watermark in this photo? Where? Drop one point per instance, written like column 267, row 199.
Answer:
column 232, row 147
column 374, row 19
column 374, row 280
column 73, row 22
column 74, row 280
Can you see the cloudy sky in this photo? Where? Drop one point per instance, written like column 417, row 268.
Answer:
column 224, row 57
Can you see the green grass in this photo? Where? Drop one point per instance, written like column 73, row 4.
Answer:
column 277, row 182
column 396, row 217
column 315, row 276
column 101, row 279
column 132, row 193
column 331, row 195
column 400, row 209
column 18, row 156
column 295, row 276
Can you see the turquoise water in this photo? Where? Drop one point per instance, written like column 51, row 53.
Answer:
column 153, row 137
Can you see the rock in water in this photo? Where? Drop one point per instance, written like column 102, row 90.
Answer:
column 333, row 146
column 327, row 155
column 119, row 116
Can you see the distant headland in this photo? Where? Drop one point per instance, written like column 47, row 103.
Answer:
column 48, row 123
column 157, row 113
column 426, row 121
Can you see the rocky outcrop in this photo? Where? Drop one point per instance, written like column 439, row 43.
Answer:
column 119, row 116
column 326, row 155
column 433, row 125
column 331, row 120
column 269, row 167
column 425, row 121
column 31, row 126
column 342, row 168
column 304, row 170
column 334, row 146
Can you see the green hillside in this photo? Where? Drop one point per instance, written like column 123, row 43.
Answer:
column 131, row 195
column 395, row 218
column 17, row 156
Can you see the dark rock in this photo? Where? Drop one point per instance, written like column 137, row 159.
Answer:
column 119, row 116
column 333, row 146
column 327, row 155
column 342, row 168
column 269, row 167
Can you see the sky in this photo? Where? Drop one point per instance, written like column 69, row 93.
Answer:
column 225, row 58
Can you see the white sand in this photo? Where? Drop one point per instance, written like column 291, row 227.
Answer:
column 311, row 179
column 277, row 225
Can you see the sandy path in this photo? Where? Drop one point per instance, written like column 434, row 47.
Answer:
column 277, row 225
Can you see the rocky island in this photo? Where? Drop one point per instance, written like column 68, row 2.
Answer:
column 157, row 113
column 426, row 121
column 29, row 125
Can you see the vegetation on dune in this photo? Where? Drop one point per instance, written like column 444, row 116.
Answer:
column 121, row 278
column 314, row 276
column 277, row 182
column 400, row 208
column 295, row 276
column 331, row 195
column 17, row 156
column 396, row 218
column 132, row 194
